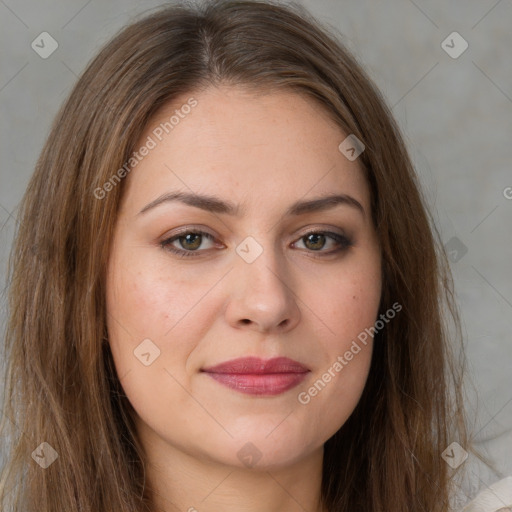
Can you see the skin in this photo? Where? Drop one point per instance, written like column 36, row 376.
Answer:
column 264, row 152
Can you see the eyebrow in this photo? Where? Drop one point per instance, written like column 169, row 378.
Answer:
column 217, row 205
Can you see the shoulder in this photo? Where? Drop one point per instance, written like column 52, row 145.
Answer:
column 496, row 498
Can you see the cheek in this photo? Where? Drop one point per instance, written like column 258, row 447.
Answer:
column 148, row 297
column 348, row 307
column 149, row 331
column 349, row 303
column 149, row 300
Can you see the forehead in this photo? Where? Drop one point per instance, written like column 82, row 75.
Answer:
column 260, row 147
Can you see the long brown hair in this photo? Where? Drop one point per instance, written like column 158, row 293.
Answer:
column 62, row 387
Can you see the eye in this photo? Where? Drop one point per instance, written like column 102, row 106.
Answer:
column 189, row 241
column 315, row 241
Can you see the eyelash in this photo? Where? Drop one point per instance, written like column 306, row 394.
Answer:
column 344, row 242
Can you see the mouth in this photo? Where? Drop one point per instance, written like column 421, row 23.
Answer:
column 255, row 376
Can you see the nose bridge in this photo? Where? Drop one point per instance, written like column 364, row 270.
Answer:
column 258, row 264
column 262, row 294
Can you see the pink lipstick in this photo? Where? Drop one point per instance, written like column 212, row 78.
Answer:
column 255, row 376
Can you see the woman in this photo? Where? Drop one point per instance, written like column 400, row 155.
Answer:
column 226, row 281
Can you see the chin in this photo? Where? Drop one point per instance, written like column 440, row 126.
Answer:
column 259, row 450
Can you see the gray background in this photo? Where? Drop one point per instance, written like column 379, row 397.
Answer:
column 455, row 113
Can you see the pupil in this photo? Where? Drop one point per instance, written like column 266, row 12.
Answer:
column 188, row 240
column 318, row 240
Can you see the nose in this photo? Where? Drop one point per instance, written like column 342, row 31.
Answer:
column 262, row 296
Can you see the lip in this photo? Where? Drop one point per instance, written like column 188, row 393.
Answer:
column 255, row 376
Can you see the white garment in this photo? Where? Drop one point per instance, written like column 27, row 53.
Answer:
column 496, row 498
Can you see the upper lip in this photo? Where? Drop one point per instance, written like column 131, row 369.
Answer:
column 255, row 365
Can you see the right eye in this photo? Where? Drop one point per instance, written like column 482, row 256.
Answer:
column 190, row 241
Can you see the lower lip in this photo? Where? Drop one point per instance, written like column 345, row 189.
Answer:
column 259, row 384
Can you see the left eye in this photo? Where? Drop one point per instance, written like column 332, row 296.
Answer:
column 316, row 240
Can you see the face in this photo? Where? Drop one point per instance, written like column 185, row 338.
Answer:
column 249, row 262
